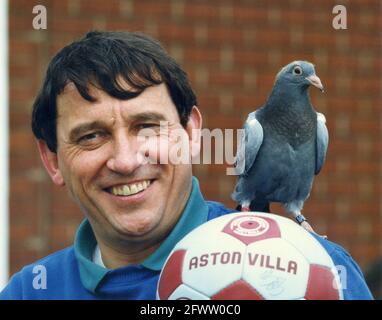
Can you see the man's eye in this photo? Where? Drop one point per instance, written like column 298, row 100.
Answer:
column 90, row 137
column 147, row 125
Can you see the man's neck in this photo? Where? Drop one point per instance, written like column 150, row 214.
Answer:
column 113, row 259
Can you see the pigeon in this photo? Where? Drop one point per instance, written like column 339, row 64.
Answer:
column 283, row 146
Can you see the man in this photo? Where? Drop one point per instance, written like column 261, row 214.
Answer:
column 98, row 94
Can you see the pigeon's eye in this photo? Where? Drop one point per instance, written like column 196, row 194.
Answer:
column 297, row 70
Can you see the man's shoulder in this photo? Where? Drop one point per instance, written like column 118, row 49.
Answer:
column 351, row 275
column 33, row 275
column 217, row 209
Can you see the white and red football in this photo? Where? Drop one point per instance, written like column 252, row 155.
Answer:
column 249, row 255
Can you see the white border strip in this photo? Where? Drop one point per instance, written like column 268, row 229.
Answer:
column 4, row 147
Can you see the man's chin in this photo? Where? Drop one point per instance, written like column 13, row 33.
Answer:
column 136, row 230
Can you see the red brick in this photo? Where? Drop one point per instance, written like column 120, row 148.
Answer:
column 253, row 58
column 62, row 235
column 22, row 141
column 364, row 168
column 18, row 25
column 249, row 14
column 152, row 8
column 20, row 232
column 363, row 252
column 19, row 119
column 126, row 24
column 223, row 35
column 64, row 209
column 363, row 209
column 208, row 102
column 183, row 33
column 201, row 11
column 369, row 126
column 20, row 258
column 322, row 209
column 348, row 188
column 22, row 54
column 60, row 7
column 362, row 40
column 98, row 7
column 342, row 230
column 22, row 6
column 226, row 79
column 297, row 17
column 248, row 102
column 197, row 55
column 75, row 26
column 273, row 38
column 224, row 122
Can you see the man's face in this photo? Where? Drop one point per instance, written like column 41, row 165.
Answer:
column 98, row 160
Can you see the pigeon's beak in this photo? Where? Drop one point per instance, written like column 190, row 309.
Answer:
column 314, row 80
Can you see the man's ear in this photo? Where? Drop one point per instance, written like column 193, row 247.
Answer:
column 194, row 126
column 50, row 161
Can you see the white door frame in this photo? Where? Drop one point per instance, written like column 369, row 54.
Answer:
column 4, row 146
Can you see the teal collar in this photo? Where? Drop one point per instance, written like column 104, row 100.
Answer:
column 84, row 244
column 194, row 214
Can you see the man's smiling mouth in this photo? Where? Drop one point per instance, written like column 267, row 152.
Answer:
column 129, row 189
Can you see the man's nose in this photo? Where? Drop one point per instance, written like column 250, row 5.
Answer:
column 124, row 158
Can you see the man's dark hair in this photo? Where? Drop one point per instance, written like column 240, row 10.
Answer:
column 103, row 59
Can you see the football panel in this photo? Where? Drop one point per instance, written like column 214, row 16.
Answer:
column 184, row 292
column 322, row 284
column 171, row 276
column 213, row 265
column 239, row 290
column 305, row 242
column 251, row 227
column 276, row 269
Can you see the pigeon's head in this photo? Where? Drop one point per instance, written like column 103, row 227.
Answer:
column 300, row 74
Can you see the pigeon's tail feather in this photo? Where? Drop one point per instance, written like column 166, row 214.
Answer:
column 260, row 206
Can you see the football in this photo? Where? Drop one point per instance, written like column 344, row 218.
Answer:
column 251, row 255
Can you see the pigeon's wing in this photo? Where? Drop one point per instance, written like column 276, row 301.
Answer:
column 249, row 144
column 321, row 142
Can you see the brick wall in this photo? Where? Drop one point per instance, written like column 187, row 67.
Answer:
column 231, row 51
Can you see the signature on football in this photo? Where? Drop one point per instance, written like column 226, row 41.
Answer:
column 273, row 284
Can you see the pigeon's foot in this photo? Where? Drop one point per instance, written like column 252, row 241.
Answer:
column 301, row 220
column 306, row 225
column 245, row 209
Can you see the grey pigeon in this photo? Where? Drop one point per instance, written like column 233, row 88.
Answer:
column 284, row 146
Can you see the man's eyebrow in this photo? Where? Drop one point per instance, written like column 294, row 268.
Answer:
column 84, row 127
column 147, row 116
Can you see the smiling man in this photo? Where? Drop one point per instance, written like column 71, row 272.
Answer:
column 100, row 93
column 129, row 204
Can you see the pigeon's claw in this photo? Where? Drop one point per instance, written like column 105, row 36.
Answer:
column 245, row 209
column 306, row 225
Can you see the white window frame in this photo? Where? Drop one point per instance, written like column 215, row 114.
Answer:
column 4, row 146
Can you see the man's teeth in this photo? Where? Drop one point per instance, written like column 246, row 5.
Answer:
column 129, row 189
